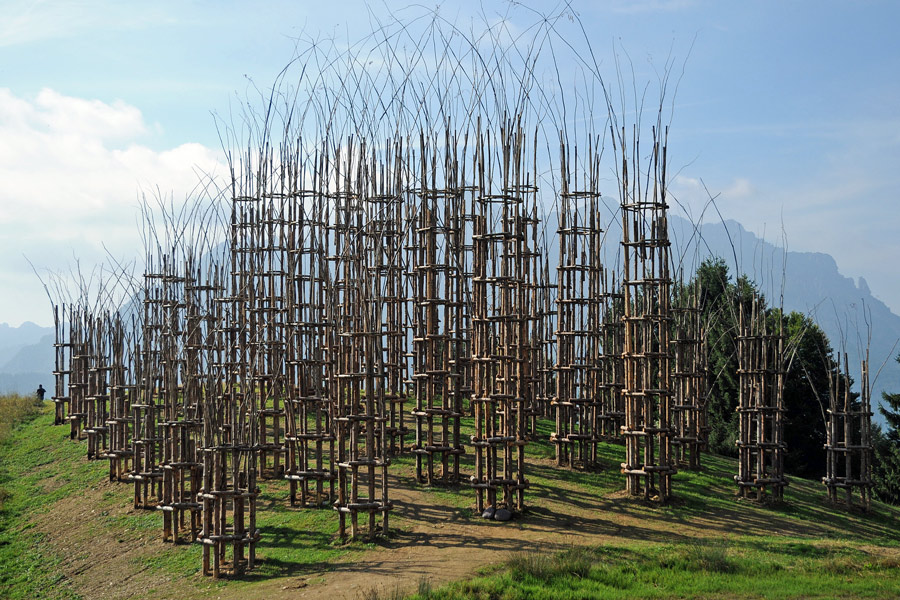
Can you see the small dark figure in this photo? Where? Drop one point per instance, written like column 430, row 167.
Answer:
column 40, row 392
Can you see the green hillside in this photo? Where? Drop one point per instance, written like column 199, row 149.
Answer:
column 67, row 532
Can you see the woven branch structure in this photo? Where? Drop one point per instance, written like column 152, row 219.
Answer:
column 647, row 430
column 689, row 377
column 375, row 279
column 760, row 409
column 848, row 442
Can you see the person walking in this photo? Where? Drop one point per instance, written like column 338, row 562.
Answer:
column 40, row 392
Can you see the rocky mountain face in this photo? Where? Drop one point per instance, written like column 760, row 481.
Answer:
column 854, row 320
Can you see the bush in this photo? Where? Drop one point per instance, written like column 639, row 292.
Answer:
column 575, row 562
column 709, row 557
column 712, row 558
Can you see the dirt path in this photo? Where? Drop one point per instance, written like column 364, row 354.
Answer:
column 434, row 542
column 100, row 561
column 439, row 547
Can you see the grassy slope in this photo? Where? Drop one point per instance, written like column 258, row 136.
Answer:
column 735, row 568
column 40, row 466
column 28, row 454
column 817, row 550
column 829, row 553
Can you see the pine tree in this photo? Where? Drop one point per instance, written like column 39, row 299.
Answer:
column 886, row 466
column 806, row 389
column 720, row 325
column 720, row 302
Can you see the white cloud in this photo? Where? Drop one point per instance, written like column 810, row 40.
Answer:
column 739, row 189
column 72, row 171
column 28, row 21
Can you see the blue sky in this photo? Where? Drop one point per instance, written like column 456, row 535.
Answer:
column 790, row 111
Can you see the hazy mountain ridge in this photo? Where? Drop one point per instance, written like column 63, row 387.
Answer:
column 26, row 358
column 806, row 282
column 812, row 284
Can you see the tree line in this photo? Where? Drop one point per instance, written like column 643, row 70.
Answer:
column 810, row 369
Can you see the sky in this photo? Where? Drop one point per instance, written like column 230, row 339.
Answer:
column 787, row 112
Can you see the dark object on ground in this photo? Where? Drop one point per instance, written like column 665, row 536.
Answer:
column 502, row 514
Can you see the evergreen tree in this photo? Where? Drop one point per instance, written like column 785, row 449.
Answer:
column 806, row 395
column 808, row 352
column 886, row 464
column 719, row 322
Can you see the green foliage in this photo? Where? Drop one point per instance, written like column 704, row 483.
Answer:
column 806, row 385
column 719, row 321
column 808, row 356
column 720, row 305
column 886, row 464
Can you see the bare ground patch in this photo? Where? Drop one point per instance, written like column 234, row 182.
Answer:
column 433, row 541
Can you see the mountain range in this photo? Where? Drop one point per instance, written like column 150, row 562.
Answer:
column 807, row 282
column 26, row 358
column 810, row 283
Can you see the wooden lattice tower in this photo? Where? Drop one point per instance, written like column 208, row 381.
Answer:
column 543, row 343
column 612, row 362
column 578, row 315
column 460, row 223
column 178, row 419
column 848, row 441
column 436, row 316
column 760, row 409
column 78, row 371
column 62, row 353
column 121, row 392
column 388, row 208
column 309, row 437
column 231, row 429
column 534, row 284
column 266, row 305
column 96, row 400
column 500, row 318
column 688, row 376
column 703, row 426
column 648, row 430
column 182, row 419
column 228, row 491
column 356, row 346
column 147, row 406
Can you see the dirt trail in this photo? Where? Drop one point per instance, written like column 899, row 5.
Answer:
column 100, row 562
column 433, row 542
column 440, row 547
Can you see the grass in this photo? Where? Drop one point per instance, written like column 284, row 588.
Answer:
column 15, row 408
column 40, row 466
column 815, row 550
column 27, row 569
column 736, row 568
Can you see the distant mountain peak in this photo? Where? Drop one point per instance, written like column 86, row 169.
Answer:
column 863, row 287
